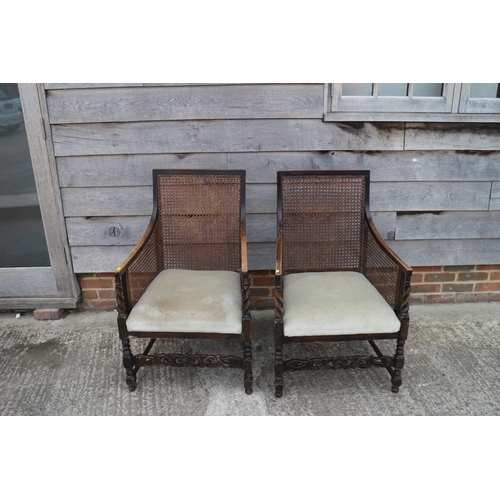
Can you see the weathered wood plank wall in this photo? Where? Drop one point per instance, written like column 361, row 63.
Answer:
column 435, row 191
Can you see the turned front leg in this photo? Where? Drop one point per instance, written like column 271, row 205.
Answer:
column 399, row 359
column 278, row 359
column 128, row 363
column 247, row 367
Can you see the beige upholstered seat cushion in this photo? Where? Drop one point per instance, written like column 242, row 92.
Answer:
column 332, row 303
column 181, row 300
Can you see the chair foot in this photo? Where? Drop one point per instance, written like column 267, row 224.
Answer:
column 396, row 381
column 131, row 380
column 278, row 391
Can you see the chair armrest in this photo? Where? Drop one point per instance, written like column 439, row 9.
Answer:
column 136, row 251
column 138, row 269
column 244, row 249
column 279, row 252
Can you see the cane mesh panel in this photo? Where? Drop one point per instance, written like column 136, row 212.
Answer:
column 199, row 222
column 322, row 222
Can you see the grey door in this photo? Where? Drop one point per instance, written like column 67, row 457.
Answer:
column 34, row 269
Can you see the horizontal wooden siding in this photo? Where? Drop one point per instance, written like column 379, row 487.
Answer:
column 435, row 192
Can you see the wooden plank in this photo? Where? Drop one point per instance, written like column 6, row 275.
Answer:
column 16, row 282
column 427, row 196
column 448, row 225
column 103, row 202
column 99, row 259
column 95, row 259
column 262, row 198
column 423, row 165
column 495, row 204
column 105, row 231
column 105, row 259
column 117, row 201
column 37, row 302
column 135, row 170
column 433, row 136
column 51, row 86
column 261, row 256
column 385, row 222
column 495, row 196
column 185, row 103
column 448, row 252
column 347, row 116
column 261, row 228
column 129, row 170
column 223, row 136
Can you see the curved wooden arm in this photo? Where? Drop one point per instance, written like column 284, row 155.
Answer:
column 244, row 250
column 134, row 253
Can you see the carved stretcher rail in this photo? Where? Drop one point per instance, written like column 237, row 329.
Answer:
column 337, row 363
column 187, row 360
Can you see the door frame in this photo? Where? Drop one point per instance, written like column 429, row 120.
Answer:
column 54, row 286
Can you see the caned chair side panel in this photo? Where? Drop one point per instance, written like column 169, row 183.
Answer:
column 381, row 270
column 142, row 270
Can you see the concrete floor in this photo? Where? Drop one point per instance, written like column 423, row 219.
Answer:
column 73, row 366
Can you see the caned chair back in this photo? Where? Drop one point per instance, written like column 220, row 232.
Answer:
column 321, row 218
column 198, row 224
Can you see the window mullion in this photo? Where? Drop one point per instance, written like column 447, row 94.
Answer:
column 410, row 90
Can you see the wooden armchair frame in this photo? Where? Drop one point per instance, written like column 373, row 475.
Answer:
column 149, row 258
column 377, row 262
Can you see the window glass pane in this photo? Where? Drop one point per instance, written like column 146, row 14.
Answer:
column 357, row 89
column 484, row 90
column 22, row 241
column 392, row 89
column 427, row 89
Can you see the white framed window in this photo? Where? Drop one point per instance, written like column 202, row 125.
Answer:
column 439, row 102
column 480, row 98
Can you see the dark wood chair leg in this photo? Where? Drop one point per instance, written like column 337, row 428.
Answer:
column 278, row 371
column 128, row 363
column 278, row 360
column 399, row 363
column 247, row 367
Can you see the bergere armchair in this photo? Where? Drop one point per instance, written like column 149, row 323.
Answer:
column 336, row 278
column 187, row 277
